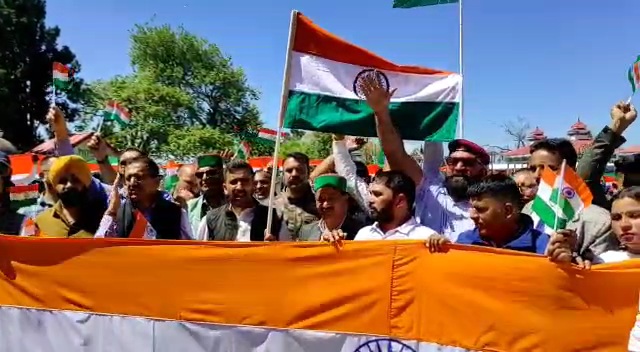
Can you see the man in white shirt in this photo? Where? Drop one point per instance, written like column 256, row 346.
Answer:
column 243, row 219
column 391, row 199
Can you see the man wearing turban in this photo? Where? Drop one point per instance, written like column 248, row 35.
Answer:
column 78, row 211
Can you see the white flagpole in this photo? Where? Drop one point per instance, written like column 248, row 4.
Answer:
column 461, row 69
column 281, row 115
column 558, row 206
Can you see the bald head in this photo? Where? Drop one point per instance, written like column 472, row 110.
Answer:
column 187, row 176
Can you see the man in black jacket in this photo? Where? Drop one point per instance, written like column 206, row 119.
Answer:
column 242, row 219
column 145, row 213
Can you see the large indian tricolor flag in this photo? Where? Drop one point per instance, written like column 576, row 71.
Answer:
column 125, row 295
column 323, row 95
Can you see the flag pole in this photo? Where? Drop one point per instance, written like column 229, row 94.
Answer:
column 559, row 197
column 281, row 115
column 461, row 69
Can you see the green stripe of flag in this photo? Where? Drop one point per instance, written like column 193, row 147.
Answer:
column 407, row 4
column 547, row 214
column 433, row 121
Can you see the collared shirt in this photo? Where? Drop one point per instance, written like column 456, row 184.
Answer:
column 244, row 228
column 109, row 227
column 434, row 206
column 528, row 239
column 410, row 230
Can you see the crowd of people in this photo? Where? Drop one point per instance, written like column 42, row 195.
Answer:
column 218, row 198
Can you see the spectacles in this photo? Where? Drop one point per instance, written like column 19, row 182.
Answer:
column 208, row 173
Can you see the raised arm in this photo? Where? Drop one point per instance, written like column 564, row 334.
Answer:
column 593, row 163
column 58, row 125
column 378, row 99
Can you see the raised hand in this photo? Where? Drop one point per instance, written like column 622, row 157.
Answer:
column 622, row 116
column 375, row 94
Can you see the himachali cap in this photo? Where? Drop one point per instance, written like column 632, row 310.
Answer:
column 331, row 180
column 210, row 160
column 470, row 147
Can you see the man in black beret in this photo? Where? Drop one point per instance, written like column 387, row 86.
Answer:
column 441, row 202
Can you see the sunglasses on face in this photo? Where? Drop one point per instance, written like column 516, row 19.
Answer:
column 466, row 162
column 208, row 174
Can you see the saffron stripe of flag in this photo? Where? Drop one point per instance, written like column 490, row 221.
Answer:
column 114, row 111
column 139, row 229
column 324, row 95
column 559, row 199
column 407, row 4
column 73, row 296
column 634, row 75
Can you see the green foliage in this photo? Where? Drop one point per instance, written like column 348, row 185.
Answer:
column 177, row 58
column 185, row 96
column 315, row 145
column 187, row 143
column 28, row 49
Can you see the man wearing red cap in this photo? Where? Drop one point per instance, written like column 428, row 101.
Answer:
column 441, row 203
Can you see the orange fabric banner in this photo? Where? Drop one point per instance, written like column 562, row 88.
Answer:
column 480, row 299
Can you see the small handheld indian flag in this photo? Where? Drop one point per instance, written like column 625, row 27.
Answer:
column 243, row 150
column 117, row 112
column 61, row 76
column 270, row 135
column 23, row 196
column 634, row 75
column 560, row 197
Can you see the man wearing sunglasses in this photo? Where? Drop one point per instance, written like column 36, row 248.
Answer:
column 209, row 173
column 441, row 203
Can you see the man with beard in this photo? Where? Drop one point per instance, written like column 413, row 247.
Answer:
column 243, row 219
column 297, row 204
column 593, row 223
column 144, row 206
column 209, row 173
column 78, row 211
column 332, row 201
column 442, row 203
column 392, row 195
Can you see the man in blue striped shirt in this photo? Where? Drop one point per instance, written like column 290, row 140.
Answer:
column 442, row 203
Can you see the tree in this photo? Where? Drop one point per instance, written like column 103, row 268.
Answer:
column 177, row 58
column 315, row 145
column 154, row 108
column 517, row 130
column 185, row 97
column 28, row 49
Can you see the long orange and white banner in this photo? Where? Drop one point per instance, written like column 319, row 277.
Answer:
column 136, row 295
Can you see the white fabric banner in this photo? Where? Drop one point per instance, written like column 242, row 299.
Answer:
column 34, row 330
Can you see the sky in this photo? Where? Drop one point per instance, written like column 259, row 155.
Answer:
column 549, row 62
